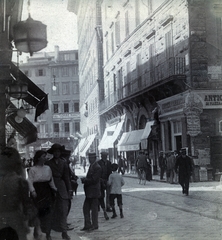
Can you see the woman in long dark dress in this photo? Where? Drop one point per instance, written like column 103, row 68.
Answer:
column 42, row 188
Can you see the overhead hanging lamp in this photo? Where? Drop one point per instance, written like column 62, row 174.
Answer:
column 30, row 36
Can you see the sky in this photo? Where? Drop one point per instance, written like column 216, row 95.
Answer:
column 61, row 24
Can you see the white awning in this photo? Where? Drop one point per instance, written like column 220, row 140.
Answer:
column 146, row 134
column 79, row 146
column 110, row 135
column 130, row 141
column 88, row 141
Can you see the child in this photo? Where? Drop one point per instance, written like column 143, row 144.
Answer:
column 116, row 182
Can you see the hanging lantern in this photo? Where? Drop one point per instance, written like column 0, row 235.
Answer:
column 30, row 36
column 17, row 89
column 21, row 112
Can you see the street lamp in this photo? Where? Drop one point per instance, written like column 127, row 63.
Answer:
column 30, row 35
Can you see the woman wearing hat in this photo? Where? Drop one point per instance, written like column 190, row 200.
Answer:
column 60, row 173
column 43, row 191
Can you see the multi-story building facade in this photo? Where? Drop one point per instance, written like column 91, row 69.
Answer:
column 162, row 72
column 56, row 73
column 90, row 71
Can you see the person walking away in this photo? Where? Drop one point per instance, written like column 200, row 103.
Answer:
column 184, row 163
column 116, row 182
column 14, row 196
column 43, row 192
column 92, row 193
column 162, row 164
column 121, row 165
column 106, row 171
column 170, row 167
column 142, row 162
column 60, row 173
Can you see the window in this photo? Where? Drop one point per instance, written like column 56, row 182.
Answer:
column 76, row 107
column 56, row 108
column 66, row 107
column 169, row 44
column 177, row 128
column 66, row 127
column 66, row 57
column 65, row 88
column 74, row 70
column 56, row 91
column 77, row 126
column 117, row 33
column 137, row 12
column 127, row 23
column 65, row 71
column 75, row 87
column 112, row 42
column 56, row 127
column 114, row 83
column 55, row 72
column 40, row 72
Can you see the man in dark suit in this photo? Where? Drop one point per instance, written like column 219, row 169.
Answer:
column 184, row 163
column 92, row 193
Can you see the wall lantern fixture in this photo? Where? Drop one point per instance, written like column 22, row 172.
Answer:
column 30, row 35
column 17, row 89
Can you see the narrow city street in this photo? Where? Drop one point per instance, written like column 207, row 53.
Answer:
column 156, row 211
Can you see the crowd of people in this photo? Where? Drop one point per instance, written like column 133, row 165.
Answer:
column 42, row 198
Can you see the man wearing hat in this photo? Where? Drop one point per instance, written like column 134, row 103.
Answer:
column 184, row 163
column 92, row 193
column 106, row 171
column 60, row 173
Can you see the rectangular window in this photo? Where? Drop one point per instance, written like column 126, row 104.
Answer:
column 169, row 44
column 75, row 88
column 55, row 72
column 66, row 57
column 74, row 70
column 126, row 24
column 40, row 72
column 65, row 88
column 56, row 127
column 66, row 107
column 56, row 108
column 66, row 127
column 117, row 33
column 65, row 71
column 137, row 12
column 114, row 83
column 77, row 126
column 112, row 42
column 55, row 89
column 107, row 50
column 76, row 107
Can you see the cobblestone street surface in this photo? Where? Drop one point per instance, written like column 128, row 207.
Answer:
column 155, row 211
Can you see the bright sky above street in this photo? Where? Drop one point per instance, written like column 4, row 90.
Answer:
column 61, row 24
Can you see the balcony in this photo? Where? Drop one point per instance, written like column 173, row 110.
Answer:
column 151, row 78
column 165, row 72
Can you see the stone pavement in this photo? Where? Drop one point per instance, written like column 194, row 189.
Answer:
column 157, row 211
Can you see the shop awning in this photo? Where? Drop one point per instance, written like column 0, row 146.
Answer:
column 79, row 146
column 110, row 135
column 130, row 141
column 36, row 97
column 26, row 129
column 146, row 133
column 107, row 139
column 88, row 141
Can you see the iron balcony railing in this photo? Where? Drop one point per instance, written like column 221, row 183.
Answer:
column 151, row 75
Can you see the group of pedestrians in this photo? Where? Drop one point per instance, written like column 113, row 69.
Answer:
column 176, row 166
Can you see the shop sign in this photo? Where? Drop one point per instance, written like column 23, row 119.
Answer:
column 213, row 100
column 193, row 123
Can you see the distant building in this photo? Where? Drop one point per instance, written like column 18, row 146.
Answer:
column 56, row 73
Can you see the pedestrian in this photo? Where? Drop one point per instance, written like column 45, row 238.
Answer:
column 162, row 164
column 43, row 192
column 92, row 193
column 116, row 182
column 142, row 162
column 105, row 165
column 14, row 196
column 171, row 160
column 121, row 165
column 60, row 173
column 84, row 164
column 184, row 163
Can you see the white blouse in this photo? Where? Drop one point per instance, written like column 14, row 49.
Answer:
column 40, row 174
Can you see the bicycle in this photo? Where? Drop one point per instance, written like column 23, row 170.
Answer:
column 142, row 176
